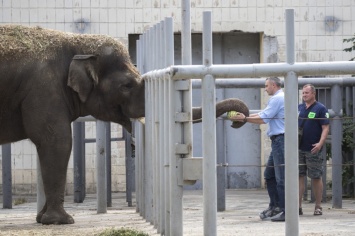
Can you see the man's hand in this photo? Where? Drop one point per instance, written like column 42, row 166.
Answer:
column 240, row 117
column 316, row 148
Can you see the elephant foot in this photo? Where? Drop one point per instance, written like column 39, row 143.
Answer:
column 39, row 217
column 55, row 218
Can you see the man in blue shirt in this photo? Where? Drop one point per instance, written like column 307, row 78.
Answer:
column 314, row 121
column 274, row 174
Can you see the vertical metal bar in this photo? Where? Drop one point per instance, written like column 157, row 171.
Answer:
column 83, row 161
column 148, row 187
column 337, row 132
column 129, row 166
column 6, row 176
column 186, row 32
column 77, row 158
column 135, row 133
column 169, row 58
column 159, row 119
column 353, row 112
column 291, row 124
column 221, row 158
column 155, row 131
column 149, row 135
column 209, row 134
column 162, row 131
column 108, row 163
column 186, row 60
column 176, row 187
column 101, row 167
column 324, row 175
column 348, row 112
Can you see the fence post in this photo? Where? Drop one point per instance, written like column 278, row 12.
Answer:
column 6, row 176
column 79, row 161
column 337, row 132
column 291, row 124
column 101, row 167
column 209, row 134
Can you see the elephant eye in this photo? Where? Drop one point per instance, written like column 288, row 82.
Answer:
column 126, row 87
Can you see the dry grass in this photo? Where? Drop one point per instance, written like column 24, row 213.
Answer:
column 17, row 41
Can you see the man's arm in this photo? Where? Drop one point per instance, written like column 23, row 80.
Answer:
column 253, row 118
column 317, row 146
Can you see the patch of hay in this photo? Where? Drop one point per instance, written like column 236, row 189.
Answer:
column 17, row 41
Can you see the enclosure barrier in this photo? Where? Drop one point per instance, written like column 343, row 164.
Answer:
column 161, row 150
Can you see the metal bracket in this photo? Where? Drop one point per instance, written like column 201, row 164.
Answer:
column 191, row 169
column 182, row 85
column 182, row 149
column 182, row 117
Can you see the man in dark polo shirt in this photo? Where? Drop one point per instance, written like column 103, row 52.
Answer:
column 314, row 121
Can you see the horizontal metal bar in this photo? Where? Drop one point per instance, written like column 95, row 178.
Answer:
column 257, row 70
column 93, row 140
column 260, row 83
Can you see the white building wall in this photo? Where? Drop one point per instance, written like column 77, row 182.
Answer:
column 320, row 27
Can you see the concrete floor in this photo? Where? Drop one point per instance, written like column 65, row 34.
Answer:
column 240, row 218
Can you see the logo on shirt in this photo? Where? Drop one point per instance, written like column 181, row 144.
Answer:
column 311, row 115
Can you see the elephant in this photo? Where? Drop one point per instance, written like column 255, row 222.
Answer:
column 50, row 78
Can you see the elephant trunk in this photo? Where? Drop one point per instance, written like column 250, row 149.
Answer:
column 231, row 104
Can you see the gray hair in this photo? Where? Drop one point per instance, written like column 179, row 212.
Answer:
column 275, row 80
column 313, row 89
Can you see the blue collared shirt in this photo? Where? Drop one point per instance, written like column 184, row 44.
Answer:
column 274, row 114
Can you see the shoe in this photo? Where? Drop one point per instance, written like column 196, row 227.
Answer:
column 280, row 218
column 318, row 211
column 270, row 212
column 300, row 212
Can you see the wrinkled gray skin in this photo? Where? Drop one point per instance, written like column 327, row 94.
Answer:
column 40, row 98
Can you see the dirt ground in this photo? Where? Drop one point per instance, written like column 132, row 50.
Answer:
column 240, row 218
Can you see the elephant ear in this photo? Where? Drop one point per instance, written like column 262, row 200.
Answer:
column 82, row 75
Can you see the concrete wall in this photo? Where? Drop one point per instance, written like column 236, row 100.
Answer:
column 320, row 28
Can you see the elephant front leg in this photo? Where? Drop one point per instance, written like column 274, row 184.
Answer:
column 54, row 157
column 40, row 214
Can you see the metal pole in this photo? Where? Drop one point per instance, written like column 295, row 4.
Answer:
column 176, row 187
column 209, row 134
column 6, row 176
column 348, row 111
column 129, row 166
column 101, row 167
column 186, row 60
column 221, row 158
column 262, row 70
column 162, row 131
column 337, row 132
column 108, row 163
column 169, row 125
column 353, row 112
column 138, row 142
column 291, row 124
column 78, row 163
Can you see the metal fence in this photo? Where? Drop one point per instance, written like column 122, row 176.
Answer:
column 163, row 140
